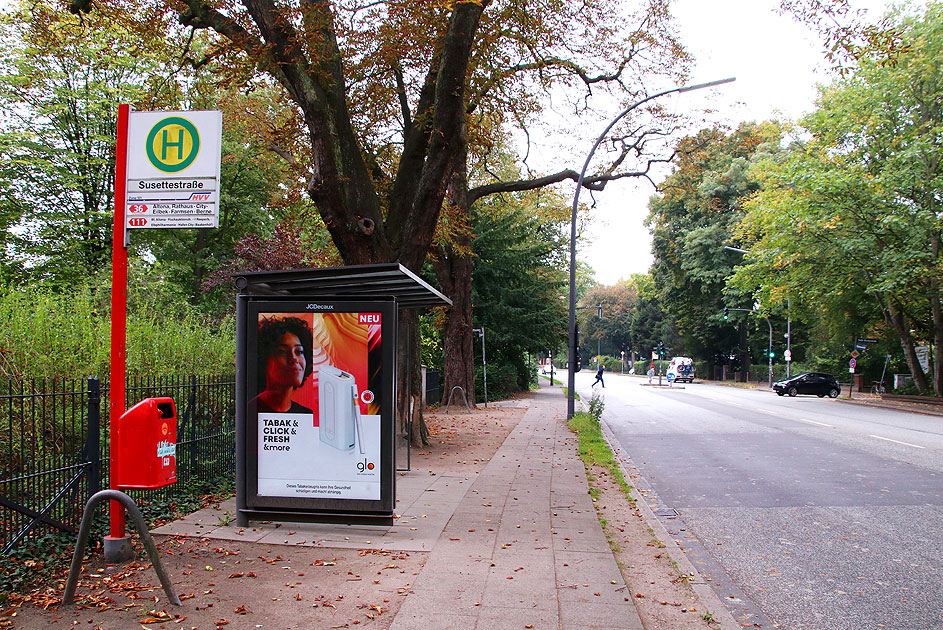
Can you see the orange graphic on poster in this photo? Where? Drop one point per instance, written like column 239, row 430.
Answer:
column 340, row 341
column 293, row 346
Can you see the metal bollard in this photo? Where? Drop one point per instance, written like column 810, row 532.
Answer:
column 132, row 508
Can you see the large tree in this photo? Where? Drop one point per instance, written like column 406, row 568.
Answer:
column 61, row 81
column 692, row 220
column 389, row 95
column 854, row 216
column 58, row 105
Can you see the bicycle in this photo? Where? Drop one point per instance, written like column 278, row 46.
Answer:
column 878, row 388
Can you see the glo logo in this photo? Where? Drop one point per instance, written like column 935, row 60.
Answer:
column 365, row 465
column 172, row 144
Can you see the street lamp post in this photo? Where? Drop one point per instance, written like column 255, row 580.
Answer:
column 571, row 378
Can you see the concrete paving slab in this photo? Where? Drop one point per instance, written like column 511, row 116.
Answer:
column 534, row 494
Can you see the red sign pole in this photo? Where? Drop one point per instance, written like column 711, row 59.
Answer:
column 119, row 304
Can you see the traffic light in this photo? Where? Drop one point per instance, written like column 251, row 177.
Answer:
column 725, row 312
column 772, row 354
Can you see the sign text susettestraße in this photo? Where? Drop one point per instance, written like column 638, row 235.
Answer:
column 179, row 203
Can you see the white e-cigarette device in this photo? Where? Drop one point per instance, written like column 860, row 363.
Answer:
column 338, row 409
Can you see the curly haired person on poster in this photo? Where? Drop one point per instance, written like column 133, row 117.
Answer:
column 284, row 363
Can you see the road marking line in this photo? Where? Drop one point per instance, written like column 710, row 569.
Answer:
column 821, row 424
column 772, row 413
column 878, row 437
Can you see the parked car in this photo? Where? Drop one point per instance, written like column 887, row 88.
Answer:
column 681, row 369
column 818, row 383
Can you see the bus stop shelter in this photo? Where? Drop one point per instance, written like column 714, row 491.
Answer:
column 317, row 437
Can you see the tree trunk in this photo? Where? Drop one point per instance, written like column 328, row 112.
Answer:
column 409, row 415
column 902, row 327
column 454, row 273
column 454, row 268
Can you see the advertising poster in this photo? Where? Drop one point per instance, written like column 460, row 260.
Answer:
column 316, row 397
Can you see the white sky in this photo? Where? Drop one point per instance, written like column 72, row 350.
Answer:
column 777, row 63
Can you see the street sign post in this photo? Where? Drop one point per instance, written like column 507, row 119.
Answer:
column 167, row 172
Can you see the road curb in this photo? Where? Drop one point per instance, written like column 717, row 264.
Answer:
column 708, row 598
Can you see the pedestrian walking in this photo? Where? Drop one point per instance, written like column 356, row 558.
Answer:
column 599, row 375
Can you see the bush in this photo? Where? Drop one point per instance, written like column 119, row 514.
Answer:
column 596, row 406
column 49, row 333
column 502, row 382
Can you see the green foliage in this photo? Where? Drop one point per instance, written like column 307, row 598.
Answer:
column 36, row 560
column 692, row 222
column 430, row 342
column 61, row 80
column 504, row 380
column 612, row 332
column 593, row 448
column 40, row 560
column 597, row 404
column 48, row 333
column 517, row 287
column 641, row 366
column 849, row 224
column 632, row 320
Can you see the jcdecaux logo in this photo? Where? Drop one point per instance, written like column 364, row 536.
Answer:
column 173, row 144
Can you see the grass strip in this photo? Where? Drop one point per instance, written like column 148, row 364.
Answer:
column 594, row 450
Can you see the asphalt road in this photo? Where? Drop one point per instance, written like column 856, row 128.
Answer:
column 803, row 513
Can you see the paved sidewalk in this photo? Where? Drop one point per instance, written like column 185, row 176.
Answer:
column 524, row 546
column 517, row 546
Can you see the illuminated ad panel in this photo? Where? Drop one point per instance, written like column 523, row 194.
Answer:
column 320, row 403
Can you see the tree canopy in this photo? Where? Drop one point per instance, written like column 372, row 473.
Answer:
column 851, row 220
column 692, row 221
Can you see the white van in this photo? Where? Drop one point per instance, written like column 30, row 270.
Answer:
column 681, row 369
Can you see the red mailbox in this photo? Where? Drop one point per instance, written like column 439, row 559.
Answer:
column 147, row 444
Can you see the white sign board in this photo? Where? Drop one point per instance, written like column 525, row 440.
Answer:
column 173, row 169
column 923, row 357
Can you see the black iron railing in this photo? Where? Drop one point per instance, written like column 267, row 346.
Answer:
column 54, row 445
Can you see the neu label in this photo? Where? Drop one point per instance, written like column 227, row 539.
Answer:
column 369, row 318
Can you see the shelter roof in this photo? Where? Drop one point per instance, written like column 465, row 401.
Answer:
column 354, row 282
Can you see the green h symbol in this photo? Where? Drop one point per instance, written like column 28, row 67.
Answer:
column 167, row 143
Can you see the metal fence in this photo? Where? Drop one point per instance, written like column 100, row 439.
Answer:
column 54, row 445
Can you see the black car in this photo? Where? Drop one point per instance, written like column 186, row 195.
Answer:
column 818, row 383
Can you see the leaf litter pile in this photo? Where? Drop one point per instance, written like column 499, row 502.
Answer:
column 222, row 584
